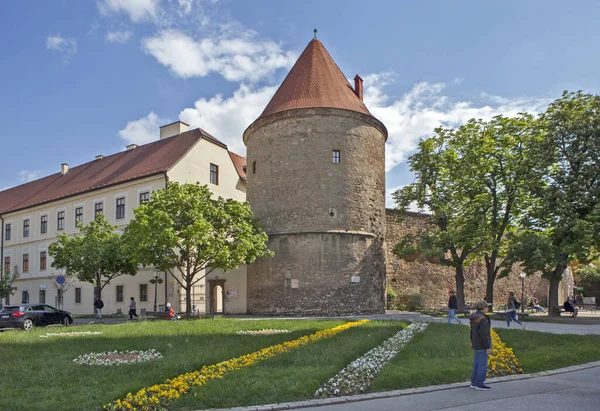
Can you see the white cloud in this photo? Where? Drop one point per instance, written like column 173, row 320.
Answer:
column 26, row 176
column 236, row 59
column 227, row 118
column 143, row 130
column 415, row 114
column 137, row 10
column 62, row 44
column 118, row 36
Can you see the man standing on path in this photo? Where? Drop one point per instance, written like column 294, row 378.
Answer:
column 132, row 309
column 452, row 307
column 481, row 341
column 98, row 305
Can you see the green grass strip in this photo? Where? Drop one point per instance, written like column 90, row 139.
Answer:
column 157, row 396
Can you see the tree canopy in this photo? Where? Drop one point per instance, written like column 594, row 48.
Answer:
column 95, row 255
column 184, row 231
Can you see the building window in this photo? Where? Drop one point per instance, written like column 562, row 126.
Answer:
column 78, row 296
column 337, row 156
column 6, row 265
column 119, row 293
column 120, row 208
column 43, row 224
column 42, row 260
column 42, row 296
column 7, row 230
column 144, row 197
column 143, row 292
column 24, row 297
column 60, row 220
column 25, row 263
column 78, row 215
column 98, row 209
column 214, row 174
column 26, row 228
column 254, row 167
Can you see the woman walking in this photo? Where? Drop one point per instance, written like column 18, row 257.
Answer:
column 511, row 310
column 132, row 309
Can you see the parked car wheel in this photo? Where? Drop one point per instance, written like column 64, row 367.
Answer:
column 66, row 321
column 28, row 324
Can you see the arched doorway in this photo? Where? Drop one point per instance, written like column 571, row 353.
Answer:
column 217, row 296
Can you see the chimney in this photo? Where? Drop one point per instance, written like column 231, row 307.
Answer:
column 358, row 87
column 64, row 167
column 99, row 157
column 131, row 147
column 173, row 129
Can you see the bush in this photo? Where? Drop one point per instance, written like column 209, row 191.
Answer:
column 391, row 298
column 410, row 298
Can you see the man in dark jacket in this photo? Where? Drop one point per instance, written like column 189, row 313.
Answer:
column 98, row 305
column 481, row 341
column 452, row 307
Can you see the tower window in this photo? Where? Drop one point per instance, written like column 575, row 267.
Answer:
column 254, row 167
column 214, row 174
column 337, row 156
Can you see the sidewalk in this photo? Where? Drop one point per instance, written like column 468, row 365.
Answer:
column 575, row 388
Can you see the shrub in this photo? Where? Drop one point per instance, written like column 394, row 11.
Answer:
column 391, row 298
column 410, row 298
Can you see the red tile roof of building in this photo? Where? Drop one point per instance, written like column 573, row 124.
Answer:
column 143, row 161
column 240, row 164
column 315, row 81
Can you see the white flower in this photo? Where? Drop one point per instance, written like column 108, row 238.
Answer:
column 263, row 332
column 117, row 357
column 358, row 375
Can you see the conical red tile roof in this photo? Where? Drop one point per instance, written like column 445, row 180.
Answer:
column 315, row 81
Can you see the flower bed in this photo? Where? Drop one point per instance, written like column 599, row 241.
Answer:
column 502, row 360
column 71, row 334
column 117, row 357
column 157, row 396
column 357, row 376
column 263, row 332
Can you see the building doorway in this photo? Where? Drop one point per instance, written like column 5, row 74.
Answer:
column 216, row 289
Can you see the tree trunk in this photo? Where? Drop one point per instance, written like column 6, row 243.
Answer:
column 99, row 285
column 553, row 303
column 460, row 286
column 188, row 299
column 489, row 288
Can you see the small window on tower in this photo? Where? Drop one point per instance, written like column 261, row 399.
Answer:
column 337, row 156
column 254, row 167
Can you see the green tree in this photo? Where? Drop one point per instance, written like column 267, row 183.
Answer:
column 564, row 225
column 95, row 255
column 184, row 231
column 453, row 235
column 5, row 285
column 502, row 167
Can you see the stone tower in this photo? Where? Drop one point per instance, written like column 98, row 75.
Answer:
column 316, row 179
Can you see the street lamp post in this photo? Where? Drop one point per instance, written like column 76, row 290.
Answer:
column 522, row 275
column 156, row 280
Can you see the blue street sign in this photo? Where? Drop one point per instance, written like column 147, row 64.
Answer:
column 60, row 280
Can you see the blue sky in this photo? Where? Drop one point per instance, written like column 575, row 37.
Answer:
column 81, row 78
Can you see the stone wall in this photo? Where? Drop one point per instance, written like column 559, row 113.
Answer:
column 433, row 281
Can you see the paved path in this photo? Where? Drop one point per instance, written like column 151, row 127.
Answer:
column 578, row 390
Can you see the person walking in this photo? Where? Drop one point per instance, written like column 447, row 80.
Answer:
column 132, row 309
column 452, row 307
column 98, row 305
column 481, row 342
column 511, row 310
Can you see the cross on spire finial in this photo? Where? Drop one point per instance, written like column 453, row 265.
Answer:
column 315, row 30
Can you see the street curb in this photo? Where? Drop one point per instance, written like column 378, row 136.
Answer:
column 400, row 393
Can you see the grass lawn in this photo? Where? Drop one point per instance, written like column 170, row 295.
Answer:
column 39, row 374
column 443, row 354
column 291, row 376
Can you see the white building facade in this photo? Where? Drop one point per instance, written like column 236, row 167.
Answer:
column 34, row 214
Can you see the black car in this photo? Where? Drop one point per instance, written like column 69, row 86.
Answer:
column 26, row 316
